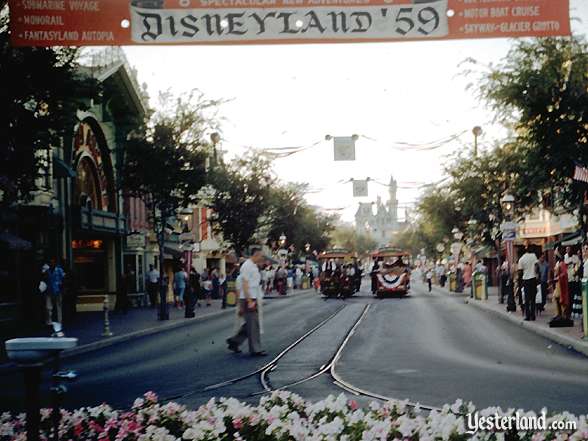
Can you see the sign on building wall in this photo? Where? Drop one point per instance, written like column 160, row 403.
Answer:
column 142, row 22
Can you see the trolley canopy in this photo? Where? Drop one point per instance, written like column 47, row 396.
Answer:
column 335, row 253
column 390, row 252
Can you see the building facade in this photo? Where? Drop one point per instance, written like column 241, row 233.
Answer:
column 77, row 216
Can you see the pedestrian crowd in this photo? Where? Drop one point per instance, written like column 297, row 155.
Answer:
column 249, row 281
column 534, row 281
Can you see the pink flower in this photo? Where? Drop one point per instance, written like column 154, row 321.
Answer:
column 150, row 397
column 238, row 423
column 353, row 405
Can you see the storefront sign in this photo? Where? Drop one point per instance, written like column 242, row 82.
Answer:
column 136, row 241
column 128, row 22
column 509, row 231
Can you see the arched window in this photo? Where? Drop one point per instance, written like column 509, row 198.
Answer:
column 87, row 189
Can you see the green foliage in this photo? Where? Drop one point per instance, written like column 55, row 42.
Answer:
column 42, row 90
column 347, row 237
column 301, row 224
column 541, row 89
column 165, row 160
column 241, row 199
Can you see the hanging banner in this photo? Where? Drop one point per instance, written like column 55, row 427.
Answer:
column 344, row 148
column 360, row 188
column 144, row 22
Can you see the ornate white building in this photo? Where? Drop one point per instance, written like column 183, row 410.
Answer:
column 382, row 223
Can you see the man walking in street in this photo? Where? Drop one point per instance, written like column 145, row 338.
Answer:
column 528, row 265
column 55, row 277
column 249, row 294
column 152, row 285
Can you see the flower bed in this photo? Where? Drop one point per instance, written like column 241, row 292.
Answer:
column 283, row 416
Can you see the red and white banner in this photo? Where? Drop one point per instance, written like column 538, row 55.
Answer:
column 143, row 22
column 581, row 173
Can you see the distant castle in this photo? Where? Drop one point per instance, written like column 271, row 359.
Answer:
column 382, row 224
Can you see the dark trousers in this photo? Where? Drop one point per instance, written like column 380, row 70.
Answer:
column 153, row 289
column 249, row 330
column 429, row 281
column 544, row 288
column 530, row 286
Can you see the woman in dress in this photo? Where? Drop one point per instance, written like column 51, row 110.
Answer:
column 576, row 294
column 561, row 293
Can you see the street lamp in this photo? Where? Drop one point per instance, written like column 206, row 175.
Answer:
column 215, row 138
column 282, row 240
column 477, row 131
column 507, row 203
column 509, row 233
column 307, row 247
column 458, row 235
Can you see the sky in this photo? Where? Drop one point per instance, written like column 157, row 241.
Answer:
column 295, row 95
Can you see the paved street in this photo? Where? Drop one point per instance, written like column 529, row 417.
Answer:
column 428, row 348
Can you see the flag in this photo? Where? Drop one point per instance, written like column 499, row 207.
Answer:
column 360, row 188
column 581, row 173
column 344, row 147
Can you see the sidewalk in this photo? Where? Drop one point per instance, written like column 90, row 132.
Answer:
column 569, row 337
column 139, row 322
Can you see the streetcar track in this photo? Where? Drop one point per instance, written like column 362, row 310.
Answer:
column 274, row 361
column 330, row 368
column 327, row 368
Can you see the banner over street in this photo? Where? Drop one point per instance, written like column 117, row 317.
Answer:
column 144, row 22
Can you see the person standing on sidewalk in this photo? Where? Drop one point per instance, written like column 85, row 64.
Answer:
column 152, row 285
column 528, row 264
column 249, row 294
column 180, row 280
column 53, row 301
column 577, row 297
column 543, row 280
column 561, row 292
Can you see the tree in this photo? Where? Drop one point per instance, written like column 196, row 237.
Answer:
column 541, row 90
column 291, row 215
column 241, row 199
column 477, row 185
column 347, row 237
column 43, row 89
column 165, row 164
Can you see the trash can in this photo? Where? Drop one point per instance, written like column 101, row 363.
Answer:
column 585, row 307
column 480, row 286
column 452, row 281
column 305, row 282
column 231, row 293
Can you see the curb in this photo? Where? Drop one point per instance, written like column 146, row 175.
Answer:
column 564, row 340
column 8, row 368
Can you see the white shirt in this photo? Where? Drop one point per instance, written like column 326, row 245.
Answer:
column 527, row 263
column 153, row 276
column 571, row 262
column 250, row 273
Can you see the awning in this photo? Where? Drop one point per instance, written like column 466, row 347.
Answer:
column 14, row 243
column 61, row 169
column 568, row 240
column 172, row 251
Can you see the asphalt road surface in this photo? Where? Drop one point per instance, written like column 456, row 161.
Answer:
column 429, row 348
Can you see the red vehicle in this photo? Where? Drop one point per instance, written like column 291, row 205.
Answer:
column 393, row 277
